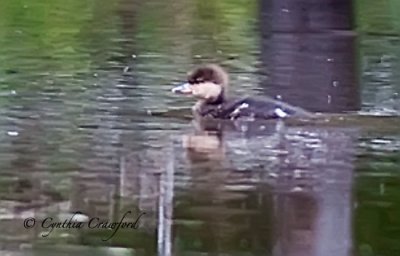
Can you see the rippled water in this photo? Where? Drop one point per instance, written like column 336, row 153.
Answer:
column 88, row 124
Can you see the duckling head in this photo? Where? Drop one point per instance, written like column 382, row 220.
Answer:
column 207, row 83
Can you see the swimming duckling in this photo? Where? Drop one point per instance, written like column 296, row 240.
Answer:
column 209, row 84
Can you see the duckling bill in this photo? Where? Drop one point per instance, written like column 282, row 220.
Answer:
column 209, row 85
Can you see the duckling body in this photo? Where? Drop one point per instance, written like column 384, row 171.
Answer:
column 249, row 108
column 209, row 85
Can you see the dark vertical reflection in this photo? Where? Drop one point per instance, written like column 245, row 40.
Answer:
column 295, row 226
column 302, row 204
column 308, row 53
column 309, row 59
column 311, row 223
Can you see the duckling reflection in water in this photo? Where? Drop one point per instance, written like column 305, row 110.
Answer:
column 203, row 147
column 209, row 84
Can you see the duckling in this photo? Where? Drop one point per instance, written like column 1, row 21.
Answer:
column 209, row 85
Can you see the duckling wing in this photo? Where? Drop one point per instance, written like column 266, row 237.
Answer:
column 261, row 108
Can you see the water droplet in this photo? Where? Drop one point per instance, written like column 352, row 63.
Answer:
column 335, row 83
column 329, row 59
column 297, row 189
column 133, row 56
column 273, row 175
column 95, row 75
column 279, row 97
column 382, row 189
column 13, row 133
column 297, row 174
column 126, row 69
column 329, row 99
column 285, row 10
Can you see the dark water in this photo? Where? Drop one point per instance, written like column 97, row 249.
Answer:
column 78, row 80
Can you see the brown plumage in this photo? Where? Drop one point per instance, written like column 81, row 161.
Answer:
column 209, row 84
